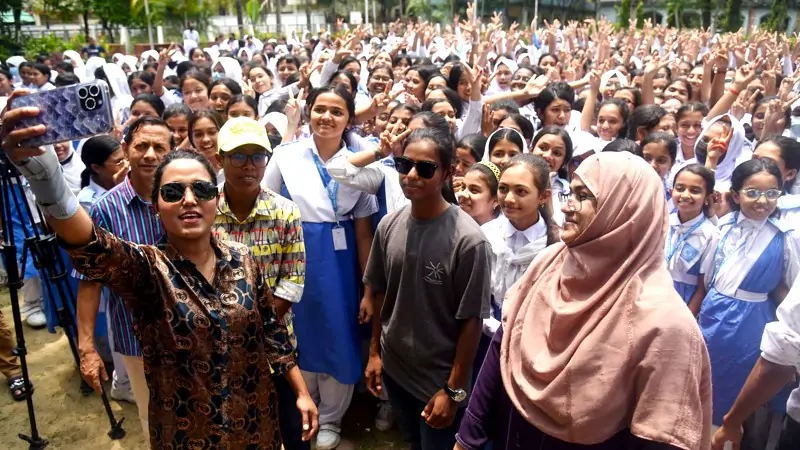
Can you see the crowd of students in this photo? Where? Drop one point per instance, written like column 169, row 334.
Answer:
column 573, row 237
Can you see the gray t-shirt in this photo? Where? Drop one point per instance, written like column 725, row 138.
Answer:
column 434, row 273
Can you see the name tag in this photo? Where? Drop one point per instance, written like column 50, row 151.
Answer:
column 339, row 239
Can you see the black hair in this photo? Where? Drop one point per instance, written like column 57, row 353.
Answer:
column 184, row 67
column 660, row 137
column 242, row 98
column 229, row 84
column 194, row 50
column 175, row 155
column 647, row 117
column 506, row 105
column 146, row 121
column 623, row 145
column 708, row 178
column 288, row 59
column 348, row 60
column 341, row 92
column 475, row 143
column 278, row 105
column 525, row 125
column 455, row 75
column 177, row 109
column 790, row 153
column 379, row 68
column 144, row 76
column 554, row 91
column 351, row 79
column 96, row 150
column 624, row 113
column 65, row 66
column 402, row 57
column 44, row 70
column 506, row 134
column 747, row 169
column 149, row 66
column 198, row 75
column 293, row 78
column 787, row 112
column 203, row 114
column 690, row 108
column 173, row 79
column 568, row 146
column 24, row 64
column 6, row 73
column 488, row 176
column 443, row 142
column 551, row 55
column 637, row 95
column 432, row 120
column 541, row 180
column 454, row 99
column 427, row 81
column 66, row 79
column 426, row 72
column 152, row 100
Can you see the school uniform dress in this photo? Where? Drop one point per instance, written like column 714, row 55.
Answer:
column 690, row 249
column 326, row 318
column 750, row 261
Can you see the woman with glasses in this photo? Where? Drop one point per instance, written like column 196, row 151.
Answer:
column 337, row 229
column 596, row 350
column 203, row 315
column 754, row 264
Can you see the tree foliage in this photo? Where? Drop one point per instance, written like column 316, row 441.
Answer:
column 732, row 19
column 778, row 18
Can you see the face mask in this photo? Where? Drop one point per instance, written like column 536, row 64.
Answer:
column 218, row 76
column 15, row 72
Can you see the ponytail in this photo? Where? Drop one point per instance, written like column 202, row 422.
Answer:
column 546, row 213
column 86, row 176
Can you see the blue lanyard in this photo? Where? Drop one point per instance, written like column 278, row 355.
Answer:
column 682, row 239
column 331, row 186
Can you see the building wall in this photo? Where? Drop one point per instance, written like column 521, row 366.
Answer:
column 609, row 11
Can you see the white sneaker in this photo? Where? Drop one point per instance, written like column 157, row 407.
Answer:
column 28, row 308
column 385, row 418
column 36, row 320
column 328, row 437
column 123, row 395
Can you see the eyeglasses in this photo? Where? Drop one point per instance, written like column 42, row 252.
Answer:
column 202, row 190
column 574, row 201
column 425, row 169
column 240, row 160
column 755, row 194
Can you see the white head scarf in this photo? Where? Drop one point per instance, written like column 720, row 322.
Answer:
column 248, row 55
column 213, row 52
column 278, row 120
column 487, row 151
column 118, row 82
column 231, row 67
column 79, row 67
column 606, row 77
column 116, row 58
column 146, row 56
column 15, row 60
column 736, row 154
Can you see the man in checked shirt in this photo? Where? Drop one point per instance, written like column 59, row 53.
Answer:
column 270, row 225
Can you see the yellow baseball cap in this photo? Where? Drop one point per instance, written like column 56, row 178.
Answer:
column 241, row 131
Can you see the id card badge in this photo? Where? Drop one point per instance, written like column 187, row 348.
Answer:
column 339, row 239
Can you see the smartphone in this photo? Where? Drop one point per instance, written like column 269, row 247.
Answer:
column 70, row 113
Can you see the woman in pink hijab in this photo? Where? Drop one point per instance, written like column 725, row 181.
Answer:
column 597, row 350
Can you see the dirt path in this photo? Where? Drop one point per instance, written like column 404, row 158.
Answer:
column 71, row 421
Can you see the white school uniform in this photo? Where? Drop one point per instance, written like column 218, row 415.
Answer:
column 512, row 252
column 379, row 178
column 690, row 249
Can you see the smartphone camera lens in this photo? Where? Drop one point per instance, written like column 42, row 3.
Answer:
column 90, row 104
column 83, row 93
column 94, row 91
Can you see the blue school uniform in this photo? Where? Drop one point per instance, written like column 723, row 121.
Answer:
column 750, row 261
column 326, row 318
column 690, row 251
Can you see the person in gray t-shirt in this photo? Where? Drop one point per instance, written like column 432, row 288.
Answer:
column 428, row 277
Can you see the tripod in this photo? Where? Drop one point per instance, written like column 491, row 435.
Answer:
column 47, row 259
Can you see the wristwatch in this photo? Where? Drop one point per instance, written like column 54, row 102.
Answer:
column 456, row 395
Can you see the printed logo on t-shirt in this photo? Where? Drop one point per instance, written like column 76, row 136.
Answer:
column 435, row 272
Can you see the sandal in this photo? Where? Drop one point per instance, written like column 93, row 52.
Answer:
column 17, row 388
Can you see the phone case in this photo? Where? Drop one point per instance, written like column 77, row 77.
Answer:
column 70, row 113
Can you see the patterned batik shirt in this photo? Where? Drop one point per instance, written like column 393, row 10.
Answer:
column 207, row 348
column 274, row 233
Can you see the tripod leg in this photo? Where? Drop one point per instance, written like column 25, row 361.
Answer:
column 35, row 442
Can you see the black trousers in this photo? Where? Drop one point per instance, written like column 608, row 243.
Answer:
column 289, row 418
column 790, row 435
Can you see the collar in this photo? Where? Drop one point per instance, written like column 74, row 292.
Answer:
column 789, row 201
column 314, row 150
column 745, row 222
column 130, row 192
column 675, row 221
column 221, row 249
column 96, row 188
column 68, row 159
column 260, row 207
column 531, row 233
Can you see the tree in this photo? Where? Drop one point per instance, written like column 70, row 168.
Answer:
column 778, row 18
column 624, row 14
column 732, row 20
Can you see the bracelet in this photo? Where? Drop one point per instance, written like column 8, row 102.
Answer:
column 733, row 91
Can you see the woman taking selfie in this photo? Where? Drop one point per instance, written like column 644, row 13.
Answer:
column 203, row 315
column 596, row 350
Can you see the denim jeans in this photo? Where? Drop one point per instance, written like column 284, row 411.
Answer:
column 289, row 418
column 407, row 411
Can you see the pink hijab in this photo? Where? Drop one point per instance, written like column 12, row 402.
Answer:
column 596, row 338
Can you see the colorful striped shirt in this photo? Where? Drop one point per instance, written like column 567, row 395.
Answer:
column 274, row 233
column 131, row 218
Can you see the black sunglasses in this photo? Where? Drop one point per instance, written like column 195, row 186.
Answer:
column 425, row 169
column 174, row 192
